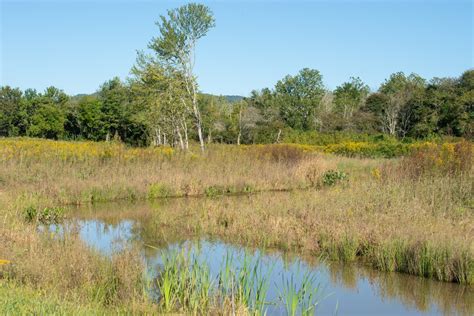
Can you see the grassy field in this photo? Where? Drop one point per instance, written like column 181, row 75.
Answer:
column 413, row 214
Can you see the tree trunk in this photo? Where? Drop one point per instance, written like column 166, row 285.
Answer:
column 197, row 116
column 186, row 139
column 240, row 125
column 278, row 136
column 209, row 136
column 198, row 125
column 157, row 137
column 180, row 138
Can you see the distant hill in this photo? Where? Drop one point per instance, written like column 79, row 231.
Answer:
column 230, row 98
column 81, row 95
column 233, row 98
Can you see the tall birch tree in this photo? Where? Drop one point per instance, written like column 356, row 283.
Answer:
column 176, row 46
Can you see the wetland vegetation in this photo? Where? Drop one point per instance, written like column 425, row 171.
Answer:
column 411, row 215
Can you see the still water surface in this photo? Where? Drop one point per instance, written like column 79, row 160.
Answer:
column 349, row 289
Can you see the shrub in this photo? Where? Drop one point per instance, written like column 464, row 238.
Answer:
column 444, row 159
column 331, row 177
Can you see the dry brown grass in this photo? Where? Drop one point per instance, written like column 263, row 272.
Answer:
column 422, row 225
column 64, row 182
column 64, row 265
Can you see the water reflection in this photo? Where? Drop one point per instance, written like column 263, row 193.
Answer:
column 354, row 289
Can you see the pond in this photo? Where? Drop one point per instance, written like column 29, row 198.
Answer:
column 342, row 289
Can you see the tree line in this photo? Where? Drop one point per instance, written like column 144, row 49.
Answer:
column 160, row 103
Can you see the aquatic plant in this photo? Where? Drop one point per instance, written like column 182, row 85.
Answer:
column 47, row 215
column 302, row 298
column 184, row 283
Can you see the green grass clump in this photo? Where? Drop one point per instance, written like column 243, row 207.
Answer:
column 301, row 300
column 16, row 300
column 185, row 284
column 159, row 190
column 47, row 215
column 424, row 259
column 215, row 190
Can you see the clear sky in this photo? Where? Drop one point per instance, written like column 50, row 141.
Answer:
column 77, row 45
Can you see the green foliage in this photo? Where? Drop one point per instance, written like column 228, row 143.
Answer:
column 424, row 259
column 91, row 119
column 332, row 177
column 11, row 101
column 175, row 48
column 215, row 190
column 48, row 122
column 350, row 96
column 47, row 215
column 299, row 300
column 180, row 30
column 120, row 116
column 299, row 97
column 185, row 283
column 158, row 190
column 160, row 104
column 30, row 213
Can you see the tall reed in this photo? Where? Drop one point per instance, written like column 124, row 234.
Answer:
column 185, row 284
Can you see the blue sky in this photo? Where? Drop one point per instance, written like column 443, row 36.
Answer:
column 77, row 45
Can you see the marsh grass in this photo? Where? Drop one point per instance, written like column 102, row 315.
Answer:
column 412, row 215
column 414, row 227
column 84, row 172
column 185, row 284
column 299, row 299
column 440, row 262
column 63, row 265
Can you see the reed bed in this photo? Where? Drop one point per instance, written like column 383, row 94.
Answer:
column 185, row 284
